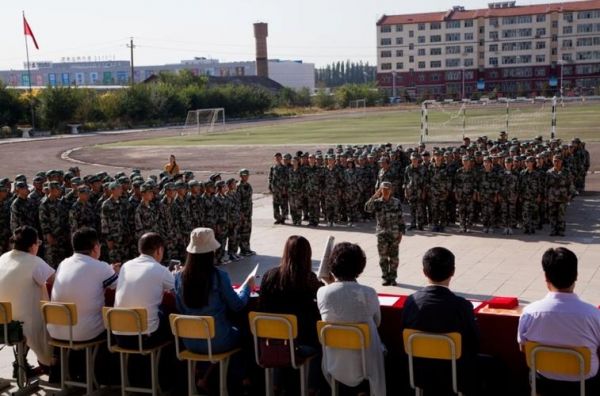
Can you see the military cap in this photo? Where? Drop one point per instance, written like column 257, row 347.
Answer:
column 137, row 183
column 137, row 178
column 426, row 154
column 21, row 184
column 114, row 185
column 557, row 157
column 350, row 159
column 502, row 133
column 41, row 173
column 277, row 155
column 231, row 181
column 383, row 159
column 447, row 153
column 209, row 183
column 299, row 153
column 154, row 178
column 539, row 156
column 20, row 178
column 244, row 172
column 145, row 187
column 169, row 186
column 508, row 160
column 220, row 184
column 214, row 176
column 414, row 156
column 123, row 180
column 69, row 175
column 287, row 156
column 193, row 183
column 188, row 173
column 119, row 174
column 39, row 179
column 530, row 158
column 576, row 140
column 136, row 171
column 386, row 184
column 478, row 153
column 54, row 185
column 305, row 154
column 74, row 169
column 180, row 184
column 83, row 190
column 51, row 173
column 487, row 158
column 456, row 150
column 4, row 189
column 467, row 158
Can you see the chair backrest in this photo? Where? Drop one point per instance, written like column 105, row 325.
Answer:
column 5, row 312
column 561, row 360
column 274, row 338
column 133, row 321
column 344, row 335
column 445, row 346
column 194, row 327
column 60, row 314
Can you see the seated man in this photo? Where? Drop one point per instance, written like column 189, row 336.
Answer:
column 436, row 309
column 141, row 284
column 81, row 279
column 562, row 319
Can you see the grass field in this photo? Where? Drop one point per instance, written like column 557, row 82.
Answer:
column 403, row 126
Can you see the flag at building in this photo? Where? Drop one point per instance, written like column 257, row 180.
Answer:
column 29, row 32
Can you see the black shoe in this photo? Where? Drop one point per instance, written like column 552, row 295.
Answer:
column 553, row 233
column 393, row 282
column 386, row 282
column 560, row 233
column 411, row 227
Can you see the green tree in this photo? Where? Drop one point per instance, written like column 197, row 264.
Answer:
column 58, row 107
column 12, row 110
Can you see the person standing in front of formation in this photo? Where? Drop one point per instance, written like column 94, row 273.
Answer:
column 278, row 182
column 530, row 193
column 509, row 194
column 389, row 230
column 222, row 216
column 559, row 191
column 171, row 167
column 245, row 190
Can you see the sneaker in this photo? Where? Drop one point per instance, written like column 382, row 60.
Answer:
column 233, row 257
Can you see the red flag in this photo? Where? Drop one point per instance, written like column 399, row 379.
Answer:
column 28, row 32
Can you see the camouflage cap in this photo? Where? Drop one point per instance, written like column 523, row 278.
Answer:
column 137, row 183
column 467, row 158
column 169, row 186
column 287, row 156
column 277, row 155
column 209, row 183
column 487, row 158
column 231, row 181
column 244, row 172
column 508, row 160
column 557, row 157
column 215, row 176
column 385, row 184
column 180, row 184
column 114, row 185
column 69, row 175
column 146, row 187
column 220, row 184
column 54, row 185
column 530, row 158
column 20, row 178
column 119, row 174
column 39, row 179
column 21, row 184
column 74, row 169
column 124, row 180
column 193, row 183
column 426, row 154
column 83, row 190
column 414, row 156
column 4, row 189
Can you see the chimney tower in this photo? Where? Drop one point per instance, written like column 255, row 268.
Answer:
column 261, row 31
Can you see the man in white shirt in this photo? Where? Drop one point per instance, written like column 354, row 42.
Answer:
column 562, row 319
column 142, row 282
column 82, row 279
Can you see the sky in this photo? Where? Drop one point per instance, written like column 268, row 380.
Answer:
column 315, row 31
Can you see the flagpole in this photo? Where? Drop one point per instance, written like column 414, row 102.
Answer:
column 29, row 79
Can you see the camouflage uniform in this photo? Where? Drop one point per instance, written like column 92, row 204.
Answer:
column 559, row 191
column 245, row 191
column 529, row 193
column 4, row 224
column 54, row 224
column 23, row 212
column 208, row 210
column 313, row 184
column 169, row 230
column 541, row 212
column 414, row 188
column 194, row 203
column 440, row 185
column 36, row 197
column 115, row 228
column 331, row 189
column 509, row 194
column 295, row 194
column 233, row 221
column 278, row 183
column 222, row 220
column 352, row 193
column 147, row 219
column 183, row 228
column 390, row 226
column 465, row 189
column 488, row 188
column 82, row 214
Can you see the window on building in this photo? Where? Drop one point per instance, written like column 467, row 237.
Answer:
column 587, row 55
column 435, row 51
column 452, row 36
column 567, row 29
column 411, row 46
column 386, row 41
column 385, row 28
column 386, row 66
column 399, row 41
column 453, row 75
column 453, row 62
column 493, row 61
column 540, row 45
column 468, row 62
column 421, row 77
column 453, row 49
column 585, row 41
column 421, row 65
column 469, row 23
column 567, row 43
column 554, row 24
column 421, row 26
column 411, row 33
column 493, row 35
column 421, row 39
column 525, row 32
column 469, row 74
column 568, row 16
column 453, row 25
column 435, row 26
column 567, row 57
column 588, row 14
column 411, row 59
column 553, row 51
column 386, row 54
column 583, row 69
column 539, row 32
column 540, row 59
column 399, row 65
column 421, row 52
column 494, row 22
column 468, row 49
column 540, row 18
column 435, row 77
column 435, row 38
column 493, row 47
column 481, row 42
column 585, row 28
column 468, row 36
column 435, row 64
column 481, row 29
column 481, row 55
column 398, row 28
column 399, row 53
column 508, row 33
column 554, row 38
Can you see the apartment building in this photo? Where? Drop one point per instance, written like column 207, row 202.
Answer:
column 508, row 49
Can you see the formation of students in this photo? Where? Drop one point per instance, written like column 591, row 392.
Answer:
column 503, row 184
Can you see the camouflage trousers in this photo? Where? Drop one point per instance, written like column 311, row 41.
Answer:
column 221, row 237
column 465, row 209
column 119, row 253
column 427, row 209
column 416, row 212
column 314, row 208
column 508, row 214
column 556, row 215
column 233, row 238
column 439, row 211
column 4, row 243
column 285, row 206
column 342, row 210
column 171, row 252
column 279, row 212
column 296, row 207
column 332, row 208
column 542, row 215
column 451, row 210
column 488, row 213
column 244, row 232
column 352, row 202
column 528, row 212
column 58, row 252
column 388, row 246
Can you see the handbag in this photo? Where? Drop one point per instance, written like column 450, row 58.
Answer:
column 14, row 332
column 274, row 353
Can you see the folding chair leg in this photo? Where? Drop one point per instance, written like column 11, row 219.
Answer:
column 124, row 385
column 303, row 380
column 191, row 378
column 334, row 387
column 63, row 368
column 89, row 371
column 223, row 376
column 154, row 373
column 533, row 383
column 268, row 382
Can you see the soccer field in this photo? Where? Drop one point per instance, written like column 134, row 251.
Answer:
column 401, row 126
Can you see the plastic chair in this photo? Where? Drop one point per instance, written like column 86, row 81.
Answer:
column 282, row 327
column 574, row 361
column 65, row 314
column 443, row 346
column 203, row 328
column 352, row 336
column 135, row 322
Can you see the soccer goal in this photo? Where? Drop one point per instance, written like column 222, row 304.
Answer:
column 450, row 121
column 202, row 121
column 358, row 105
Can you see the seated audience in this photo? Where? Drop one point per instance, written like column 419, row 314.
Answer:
column 347, row 301
column 141, row 284
column 203, row 289
column 81, row 279
column 292, row 288
column 436, row 309
column 562, row 319
column 23, row 278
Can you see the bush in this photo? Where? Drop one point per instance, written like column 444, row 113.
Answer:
column 58, row 107
column 324, row 100
column 349, row 92
column 12, row 110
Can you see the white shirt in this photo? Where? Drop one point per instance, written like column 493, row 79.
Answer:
column 562, row 319
column 81, row 279
column 141, row 284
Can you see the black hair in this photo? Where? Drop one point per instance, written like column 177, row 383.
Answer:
column 197, row 278
column 347, row 261
column 149, row 243
column 560, row 267
column 84, row 240
column 24, row 237
column 438, row 264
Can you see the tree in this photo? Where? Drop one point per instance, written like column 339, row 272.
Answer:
column 12, row 110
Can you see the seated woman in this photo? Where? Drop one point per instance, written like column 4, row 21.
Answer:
column 346, row 301
column 23, row 278
column 292, row 288
column 204, row 290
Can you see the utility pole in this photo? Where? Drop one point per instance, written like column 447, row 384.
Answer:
column 131, row 47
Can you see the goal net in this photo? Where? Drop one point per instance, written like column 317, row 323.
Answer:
column 358, row 104
column 203, row 121
column 521, row 118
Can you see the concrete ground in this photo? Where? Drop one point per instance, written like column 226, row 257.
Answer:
column 487, row 264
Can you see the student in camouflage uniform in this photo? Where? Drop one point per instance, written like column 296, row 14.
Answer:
column 278, row 181
column 22, row 210
column 82, row 214
column 167, row 219
column 114, row 224
column 331, row 189
column 352, row 191
column 313, row 186
column 366, row 184
column 233, row 220
column 147, row 214
column 530, row 195
column 426, row 164
column 182, row 218
column 244, row 189
column 541, row 212
column 440, row 186
column 208, row 205
column 559, row 191
column 295, row 191
column 37, row 193
column 389, row 230
column 509, row 195
column 55, row 227
column 414, row 191
column 4, row 219
column 287, row 163
column 465, row 191
column 222, row 220
column 489, row 185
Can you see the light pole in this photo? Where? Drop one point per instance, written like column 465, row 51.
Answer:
column 463, row 84
column 394, row 84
